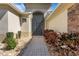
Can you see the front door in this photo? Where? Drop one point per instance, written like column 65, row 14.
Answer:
column 38, row 24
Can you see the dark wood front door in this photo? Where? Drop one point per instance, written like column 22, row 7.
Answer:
column 38, row 23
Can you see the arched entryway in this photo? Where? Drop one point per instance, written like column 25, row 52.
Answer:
column 38, row 23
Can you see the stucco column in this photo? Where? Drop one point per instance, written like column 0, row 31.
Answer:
column 30, row 24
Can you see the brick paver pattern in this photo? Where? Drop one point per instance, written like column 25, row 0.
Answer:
column 37, row 47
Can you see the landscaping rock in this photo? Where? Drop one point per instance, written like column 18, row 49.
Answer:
column 2, row 46
column 64, row 46
column 14, row 52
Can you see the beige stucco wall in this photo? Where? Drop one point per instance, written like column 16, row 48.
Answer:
column 26, row 26
column 30, row 25
column 4, row 24
column 59, row 23
column 13, row 23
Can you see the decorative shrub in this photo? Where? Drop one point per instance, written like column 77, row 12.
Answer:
column 11, row 43
column 19, row 34
column 10, row 40
column 10, row 34
column 64, row 36
column 50, row 36
column 70, row 36
column 73, row 36
column 67, row 46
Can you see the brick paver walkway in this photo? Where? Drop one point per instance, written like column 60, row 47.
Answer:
column 37, row 47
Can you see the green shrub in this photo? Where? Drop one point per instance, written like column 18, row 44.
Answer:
column 10, row 34
column 19, row 34
column 10, row 40
column 11, row 43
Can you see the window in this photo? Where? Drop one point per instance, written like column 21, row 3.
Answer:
column 23, row 20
